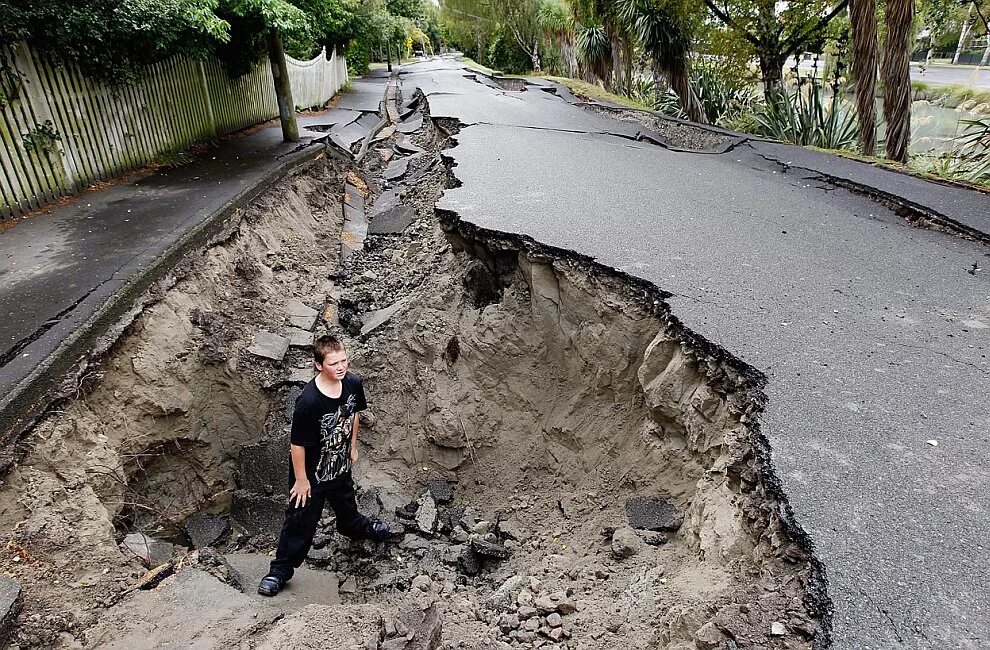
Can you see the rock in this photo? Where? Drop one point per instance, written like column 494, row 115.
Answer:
column 441, row 490
column 392, row 221
column 535, row 585
column 152, row 552
column 10, row 607
column 544, row 604
column 566, row 607
column 375, row 319
column 396, row 169
column 468, row 563
column 269, row 345
column 524, row 636
column 508, row 622
column 300, row 376
column 555, row 634
column 527, row 611
column 422, row 582
column 300, row 315
column 525, row 598
column 408, row 511
column 503, row 597
column 626, row 543
column 554, row 620
column 299, row 338
column 709, row 637
column 489, row 550
column 348, row 586
column 481, row 528
column 404, row 146
column 654, row 538
column 426, row 515
column 207, row 530
column 778, row 629
column 513, row 530
column 652, row 514
column 459, row 536
column 416, row 630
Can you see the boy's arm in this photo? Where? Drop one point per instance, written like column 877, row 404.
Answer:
column 301, row 490
column 354, row 442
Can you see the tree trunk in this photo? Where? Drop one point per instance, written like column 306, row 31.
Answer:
column 659, row 84
column 680, row 82
column 964, row 35
column 986, row 53
column 896, row 73
column 535, row 55
column 569, row 51
column 283, row 89
column 863, row 16
column 772, row 71
column 616, row 67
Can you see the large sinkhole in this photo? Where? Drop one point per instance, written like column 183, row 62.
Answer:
column 571, row 467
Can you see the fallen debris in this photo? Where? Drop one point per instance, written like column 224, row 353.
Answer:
column 652, row 514
column 269, row 345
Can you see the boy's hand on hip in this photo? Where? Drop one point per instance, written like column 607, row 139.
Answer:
column 300, row 493
column 354, row 454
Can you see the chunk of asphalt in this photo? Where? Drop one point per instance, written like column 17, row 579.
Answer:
column 441, row 490
column 10, row 607
column 299, row 338
column 392, row 221
column 426, row 515
column 205, row 529
column 490, row 550
column 300, row 315
column 152, row 552
column 408, row 147
column 289, row 405
column 269, row 345
column 396, row 169
column 652, row 514
column 411, row 126
column 375, row 319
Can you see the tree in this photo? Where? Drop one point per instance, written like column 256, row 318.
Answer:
column 663, row 29
column 863, row 16
column 557, row 23
column 896, row 72
column 776, row 30
column 936, row 15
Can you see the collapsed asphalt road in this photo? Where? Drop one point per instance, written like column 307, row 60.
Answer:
column 873, row 334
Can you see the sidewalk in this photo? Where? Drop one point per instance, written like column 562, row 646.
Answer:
column 68, row 275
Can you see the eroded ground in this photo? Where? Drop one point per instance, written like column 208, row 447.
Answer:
column 523, row 400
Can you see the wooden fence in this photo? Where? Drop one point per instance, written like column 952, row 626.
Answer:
column 60, row 132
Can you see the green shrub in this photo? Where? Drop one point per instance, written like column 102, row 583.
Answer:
column 807, row 117
column 505, row 54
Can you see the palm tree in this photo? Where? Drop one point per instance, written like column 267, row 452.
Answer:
column 594, row 53
column 863, row 16
column 896, row 72
column 663, row 30
column 556, row 21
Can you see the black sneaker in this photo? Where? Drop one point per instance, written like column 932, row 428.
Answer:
column 380, row 530
column 271, row 585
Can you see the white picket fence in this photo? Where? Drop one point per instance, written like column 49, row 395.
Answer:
column 60, row 132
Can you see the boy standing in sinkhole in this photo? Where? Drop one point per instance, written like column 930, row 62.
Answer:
column 324, row 448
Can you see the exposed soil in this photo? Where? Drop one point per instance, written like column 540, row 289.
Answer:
column 520, row 397
column 677, row 134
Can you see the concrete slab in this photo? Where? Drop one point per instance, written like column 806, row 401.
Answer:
column 375, row 319
column 10, row 607
column 396, row 169
column 392, row 221
column 269, row 345
column 300, row 316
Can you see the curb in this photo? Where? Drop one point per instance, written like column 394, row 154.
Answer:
column 58, row 375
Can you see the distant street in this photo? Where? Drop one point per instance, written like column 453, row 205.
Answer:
column 940, row 74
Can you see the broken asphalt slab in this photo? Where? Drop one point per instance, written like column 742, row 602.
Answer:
column 872, row 333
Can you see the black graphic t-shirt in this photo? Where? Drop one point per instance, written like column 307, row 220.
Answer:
column 323, row 426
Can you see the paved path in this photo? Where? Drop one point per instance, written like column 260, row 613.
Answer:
column 941, row 74
column 58, row 269
column 874, row 334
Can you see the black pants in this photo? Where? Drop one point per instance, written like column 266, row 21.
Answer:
column 300, row 524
